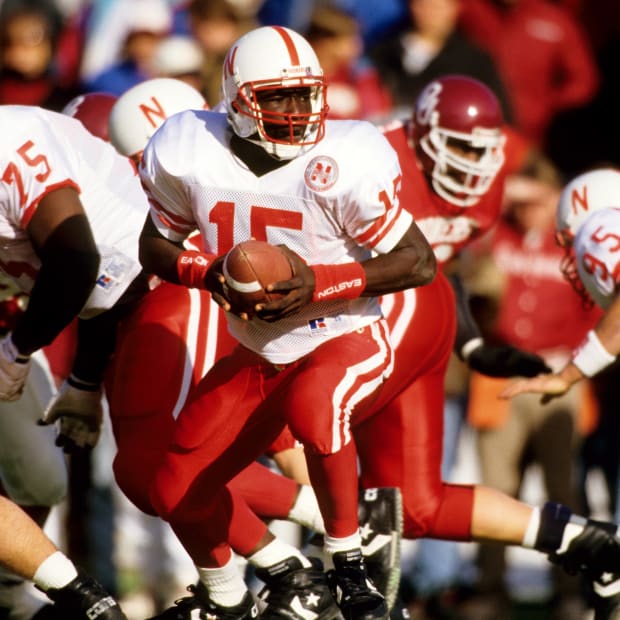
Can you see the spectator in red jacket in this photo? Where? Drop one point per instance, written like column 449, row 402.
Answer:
column 543, row 54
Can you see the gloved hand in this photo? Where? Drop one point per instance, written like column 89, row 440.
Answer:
column 14, row 369
column 506, row 361
column 77, row 409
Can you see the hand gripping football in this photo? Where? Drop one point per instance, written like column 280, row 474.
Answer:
column 249, row 267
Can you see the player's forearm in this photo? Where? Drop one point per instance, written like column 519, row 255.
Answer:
column 384, row 276
column 158, row 255
column 608, row 328
column 63, row 284
column 410, row 264
column 467, row 330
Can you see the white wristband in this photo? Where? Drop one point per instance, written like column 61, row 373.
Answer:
column 470, row 346
column 591, row 356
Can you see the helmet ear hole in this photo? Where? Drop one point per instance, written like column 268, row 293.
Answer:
column 457, row 128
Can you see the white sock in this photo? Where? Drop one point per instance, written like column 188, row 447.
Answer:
column 305, row 510
column 337, row 545
column 531, row 532
column 275, row 552
column 225, row 584
column 56, row 572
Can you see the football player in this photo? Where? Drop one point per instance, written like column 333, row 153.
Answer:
column 273, row 168
column 164, row 349
column 49, row 252
column 587, row 224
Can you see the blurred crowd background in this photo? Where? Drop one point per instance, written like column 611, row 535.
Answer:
column 553, row 65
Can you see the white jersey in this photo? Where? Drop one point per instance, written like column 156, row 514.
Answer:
column 597, row 250
column 41, row 151
column 336, row 203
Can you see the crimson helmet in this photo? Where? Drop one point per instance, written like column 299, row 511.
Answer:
column 93, row 109
column 453, row 117
column 271, row 58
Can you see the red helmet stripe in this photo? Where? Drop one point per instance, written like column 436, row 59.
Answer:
column 290, row 45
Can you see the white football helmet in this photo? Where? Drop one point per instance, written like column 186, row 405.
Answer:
column 140, row 111
column 267, row 59
column 584, row 195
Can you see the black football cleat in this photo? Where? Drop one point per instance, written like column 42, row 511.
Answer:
column 200, row 607
column 354, row 592
column 380, row 516
column 84, row 598
column 293, row 592
column 607, row 597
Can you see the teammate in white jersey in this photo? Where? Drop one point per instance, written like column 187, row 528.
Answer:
column 588, row 226
column 49, row 196
column 62, row 197
column 274, row 169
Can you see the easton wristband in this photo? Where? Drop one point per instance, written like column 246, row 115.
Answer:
column 344, row 281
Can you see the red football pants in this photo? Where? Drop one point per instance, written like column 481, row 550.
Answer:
column 163, row 350
column 242, row 405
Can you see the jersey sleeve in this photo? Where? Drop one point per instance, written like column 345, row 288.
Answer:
column 597, row 250
column 37, row 164
column 374, row 216
column 170, row 209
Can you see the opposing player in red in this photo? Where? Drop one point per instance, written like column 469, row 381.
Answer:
column 454, row 163
column 273, row 169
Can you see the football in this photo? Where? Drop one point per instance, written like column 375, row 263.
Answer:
column 249, row 267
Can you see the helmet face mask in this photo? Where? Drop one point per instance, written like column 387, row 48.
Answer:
column 457, row 125
column 274, row 91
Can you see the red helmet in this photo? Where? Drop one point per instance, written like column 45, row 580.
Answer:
column 457, row 129
column 93, row 109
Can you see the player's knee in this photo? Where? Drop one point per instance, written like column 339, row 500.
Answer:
column 37, row 490
column 134, row 486
column 312, row 427
column 314, row 438
column 419, row 517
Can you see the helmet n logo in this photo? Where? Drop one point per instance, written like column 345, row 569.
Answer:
column 427, row 103
column 579, row 200
column 154, row 111
column 230, row 62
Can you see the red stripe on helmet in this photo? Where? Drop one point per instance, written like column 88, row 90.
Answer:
column 290, row 45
